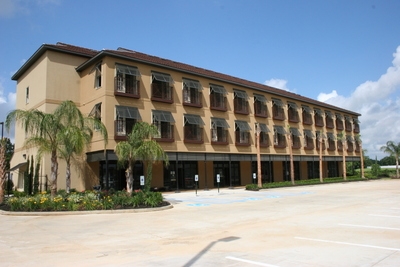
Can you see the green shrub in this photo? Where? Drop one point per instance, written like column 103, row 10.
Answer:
column 252, row 187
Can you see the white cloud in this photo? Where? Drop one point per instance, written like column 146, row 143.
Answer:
column 277, row 83
column 379, row 104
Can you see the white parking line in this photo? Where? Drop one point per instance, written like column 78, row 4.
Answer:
column 251, row 262
column 381, row 215
column 345, row 243
column 368, row 226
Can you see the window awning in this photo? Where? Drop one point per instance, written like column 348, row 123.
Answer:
column 18, row 166
column 307, row 109
column 240, row 94
column 347, row 118
column 127, row 112
column 339, row 116
column 127, row 70
column 295, row 131
column 217, row 89
column 319, row 112
column 162, row 77
column 218, row 122
column 331, row 136
column 349, row 138
column 329, row 114
column 260, row 98
column 165, row 116
column 355, row 120
column 263, row 127
column 277, row 102
column 192, row 84
column 308, row 133
column 242, row 126
column 193, row 119
column 279, row 129
column 292, row 105
column 96, row 111
column 322, row 135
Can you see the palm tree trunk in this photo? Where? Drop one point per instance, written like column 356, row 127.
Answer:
column 149, row 175
column 259, row 183
column 2, row 168
column 344, row 160
column 321, row 179
column 53, row 175
column 397, row 167
column 68, row 177
column 129, row 178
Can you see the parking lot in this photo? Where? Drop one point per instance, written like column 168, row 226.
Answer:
column 345, row 224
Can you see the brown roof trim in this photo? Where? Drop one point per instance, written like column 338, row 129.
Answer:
column 59, row 47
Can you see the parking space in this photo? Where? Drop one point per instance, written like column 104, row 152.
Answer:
column 345, row 224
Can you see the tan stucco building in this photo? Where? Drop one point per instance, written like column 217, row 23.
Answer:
column 207, row 120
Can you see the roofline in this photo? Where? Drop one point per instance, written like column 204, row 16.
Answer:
column 42, row 49
column 261, row 88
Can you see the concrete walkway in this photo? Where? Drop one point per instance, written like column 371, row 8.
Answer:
column 346, row 224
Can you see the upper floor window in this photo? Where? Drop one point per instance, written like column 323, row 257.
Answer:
column 331, row 144
column 260, row 106
column 193, row 128
column 341, row 140
column 218, row 97
column 350, row 143
column 278, row 112
column 192, row 93
column 263, row 131
column 293, row 113
column 96, row 112
column 241, row 104
column 347, row 124
column 339, row 121
column 320, row 139
column 126, row 117
column 161, row 87
column 329, row 119
column 356, row 125
column 242, row 133
column 219, row 132
column 306, row 114
column 295, row 137
column 279, row 136
column 308, row 139
column 97, row 75
column 164, row 121
column 27, row 95
column 318, row 117
column 127, row 81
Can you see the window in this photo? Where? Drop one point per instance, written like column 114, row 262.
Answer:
column 295, row 137
column 340, row 142
column 97, row 76
column 126, row 81
column 306, row 114
column 277, row 109
column 240, row 102
column 192, row 93
column 308, row 140
column 219, row 133
column 329, row 119
column 318, row 117
column 356, row 125
column 217, row 97
column 164, row 120
column 320, row 139
column 126, row 117
column 260, row 106
column 96, row 113
column 161, row 87
column 358, row 145
column 242, row 133
column 193, row 128
column 293, row 114
column 331, row 142
column 350, row 143
column 347, row 124
column 27, row 95
column 339, row 122
column 263, row 129
column 279, row 136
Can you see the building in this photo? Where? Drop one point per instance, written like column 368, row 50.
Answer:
column 207, row 120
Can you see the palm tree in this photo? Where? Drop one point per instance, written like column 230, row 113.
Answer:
column 2, row 167
column 45, row 131
column 342, row 138
column 290, row 141
column 140, row 146
column 76, row 135
column 363, row 151
column 393, row 150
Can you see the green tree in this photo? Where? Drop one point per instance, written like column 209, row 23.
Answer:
column 44, row 131
column 140, row 146
column 393, row 149
column 2, row 168
column 342, row 138
column 388, row 160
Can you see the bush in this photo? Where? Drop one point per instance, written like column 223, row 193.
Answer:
column 375, row 169
column 252, row 187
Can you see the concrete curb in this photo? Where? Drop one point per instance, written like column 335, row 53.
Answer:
column 85, row 212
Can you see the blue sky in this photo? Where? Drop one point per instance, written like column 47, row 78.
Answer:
column 346, row 53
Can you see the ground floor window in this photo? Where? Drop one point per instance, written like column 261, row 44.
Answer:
column 116, row 175
column 180, row 175
column 227, row 178
column 286, row 170
column 267, row 174
column 313, row 169
column 333, row 169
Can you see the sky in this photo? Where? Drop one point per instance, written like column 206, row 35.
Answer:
column 343, row 52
